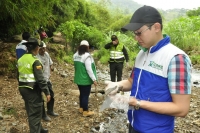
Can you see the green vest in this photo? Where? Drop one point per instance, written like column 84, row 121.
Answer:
column 81, row 76
column 116, row 52
column 25, row 69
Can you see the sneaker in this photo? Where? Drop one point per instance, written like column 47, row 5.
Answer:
column 81, row 110
column 88, row 113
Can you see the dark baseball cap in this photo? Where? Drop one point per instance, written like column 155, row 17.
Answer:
column 33, row 41
column 114, row 37
column 143, row 15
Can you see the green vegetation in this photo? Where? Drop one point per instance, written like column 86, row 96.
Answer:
column 19, row 15
column 184, row 33
column 10, row 111
column 75, row 31
column 95, row 21
column 194, row 12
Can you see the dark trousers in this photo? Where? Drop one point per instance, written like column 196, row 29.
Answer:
column 116, row 69
column 33, row 105
column 84, row 96
column 131, row 129
column 50, row 104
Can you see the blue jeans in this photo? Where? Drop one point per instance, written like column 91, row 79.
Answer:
column 84, row 96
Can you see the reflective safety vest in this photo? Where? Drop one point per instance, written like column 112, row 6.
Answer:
column 25, row 69
column 116, row 53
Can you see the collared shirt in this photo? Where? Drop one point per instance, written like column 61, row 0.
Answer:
column 46, row 62
column 179, row 80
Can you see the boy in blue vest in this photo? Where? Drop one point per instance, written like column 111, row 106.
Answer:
column 160, row 82
column 20, row 48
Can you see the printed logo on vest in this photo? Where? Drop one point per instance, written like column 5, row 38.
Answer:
column 156, row 66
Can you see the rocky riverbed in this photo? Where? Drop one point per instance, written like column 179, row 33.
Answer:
column 13, row 117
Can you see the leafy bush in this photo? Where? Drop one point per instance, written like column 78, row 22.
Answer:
column 184, row 33
column 24, row 15
column 75, row 32
column 68, row 59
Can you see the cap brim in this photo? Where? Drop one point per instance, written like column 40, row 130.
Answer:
column 113, row 39
column 24, row 43
column 30, row 43
column 132, row 26
column 41, row 46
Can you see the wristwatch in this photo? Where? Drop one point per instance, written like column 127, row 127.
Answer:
column 137, row 106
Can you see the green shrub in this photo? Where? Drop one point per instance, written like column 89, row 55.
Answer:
column 68, row 59
column 10, row 111
column 184, row 32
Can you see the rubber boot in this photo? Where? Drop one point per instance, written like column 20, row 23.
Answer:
column 45, row 117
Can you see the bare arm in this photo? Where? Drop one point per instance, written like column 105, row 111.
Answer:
column 178, row 107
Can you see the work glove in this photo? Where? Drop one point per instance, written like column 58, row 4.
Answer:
column 112, row 88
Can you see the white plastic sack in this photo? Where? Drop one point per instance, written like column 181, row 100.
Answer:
column 117, row 101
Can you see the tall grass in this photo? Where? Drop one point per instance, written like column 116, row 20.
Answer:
column 184, row 33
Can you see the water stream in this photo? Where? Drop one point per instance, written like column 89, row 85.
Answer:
column 196, row 78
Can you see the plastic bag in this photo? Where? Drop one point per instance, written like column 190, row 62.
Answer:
column 120, row 102
column 117, row 101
